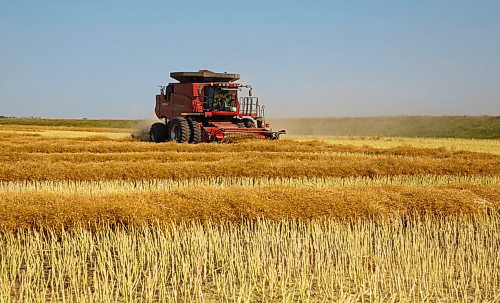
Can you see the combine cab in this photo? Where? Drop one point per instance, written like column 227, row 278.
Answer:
column 206, row 106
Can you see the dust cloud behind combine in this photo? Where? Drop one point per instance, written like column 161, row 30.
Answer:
column 395, row 126
column 141, row 132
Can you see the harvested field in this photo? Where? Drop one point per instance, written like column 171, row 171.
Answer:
column 90, row 218
column 100, row 158
column 429, row 259
column 491, row 146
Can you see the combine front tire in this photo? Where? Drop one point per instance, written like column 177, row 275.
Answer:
column 158, row 132
column 179, row 130
column 195, row 131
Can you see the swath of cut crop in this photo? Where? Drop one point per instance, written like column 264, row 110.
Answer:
column 52, row 209
column 255, row 166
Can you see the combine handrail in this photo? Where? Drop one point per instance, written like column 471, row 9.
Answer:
column 249, row 106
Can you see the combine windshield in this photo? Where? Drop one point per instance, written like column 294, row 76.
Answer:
column 220, row 99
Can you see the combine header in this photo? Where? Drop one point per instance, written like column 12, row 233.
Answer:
column 205, row 106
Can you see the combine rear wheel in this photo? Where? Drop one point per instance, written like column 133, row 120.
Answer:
column 179, row 130
column 158, row 133
column 195, row 136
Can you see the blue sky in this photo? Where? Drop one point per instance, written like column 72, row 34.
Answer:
column 105, row 59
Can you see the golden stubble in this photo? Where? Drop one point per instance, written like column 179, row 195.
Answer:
column 96, row 219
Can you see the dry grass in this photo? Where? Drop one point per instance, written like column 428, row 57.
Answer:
column 426, row 259
column 62, row 132
column 54, row 182
column 474, row 145
column 104, row 159
column 37, row 128
column 42, row 208
column 120, row 186
column 96, row 219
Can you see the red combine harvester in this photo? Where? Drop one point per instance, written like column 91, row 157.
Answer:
column 204, row 107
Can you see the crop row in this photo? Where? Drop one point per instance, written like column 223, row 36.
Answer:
column 236, row 166
column 103, row 145
column 42, row 209
column 120, row 186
